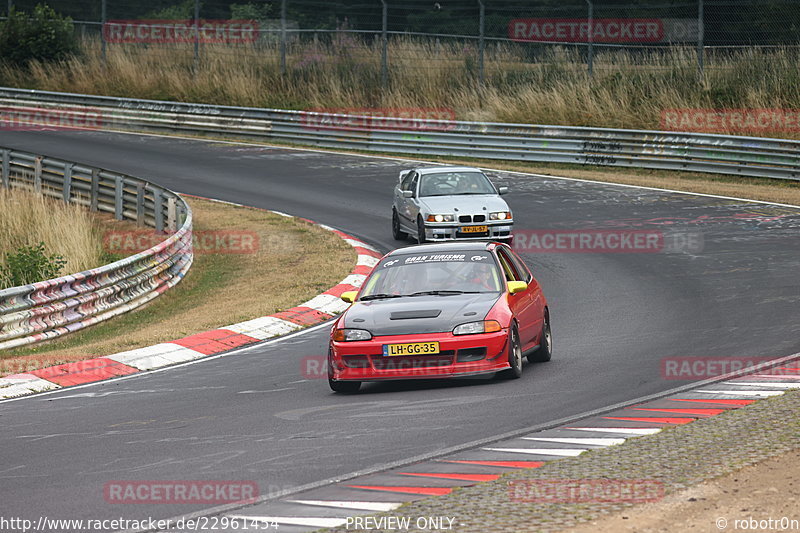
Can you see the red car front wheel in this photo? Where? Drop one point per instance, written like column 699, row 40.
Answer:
column 514, row 355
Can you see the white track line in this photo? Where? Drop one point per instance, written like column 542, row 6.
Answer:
column 560, row 452
column 579, row 440
column 360, row 506
column 626, row 431
column 744, row 393
column 773, row 385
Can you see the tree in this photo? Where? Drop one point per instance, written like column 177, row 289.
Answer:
column 43, row 35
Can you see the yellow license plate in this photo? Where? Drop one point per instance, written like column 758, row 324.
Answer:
column 474, row 229
column 414, row 348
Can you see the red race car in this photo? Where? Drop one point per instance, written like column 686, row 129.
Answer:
column 438, row 311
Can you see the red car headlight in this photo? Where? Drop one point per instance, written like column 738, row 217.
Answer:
column 346, row 335
column 483, row 326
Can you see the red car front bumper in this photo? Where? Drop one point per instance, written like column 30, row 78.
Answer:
column 459, row 355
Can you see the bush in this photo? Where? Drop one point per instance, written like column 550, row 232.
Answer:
column 43, row 36
column 30, row 264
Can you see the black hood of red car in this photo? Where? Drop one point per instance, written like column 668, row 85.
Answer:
column 418, row 314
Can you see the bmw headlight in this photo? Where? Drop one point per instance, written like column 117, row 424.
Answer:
column 500, row 215
column 346, row 335
column 440, row 218
column 471, row 328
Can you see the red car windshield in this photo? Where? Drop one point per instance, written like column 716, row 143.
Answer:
column 437, row 273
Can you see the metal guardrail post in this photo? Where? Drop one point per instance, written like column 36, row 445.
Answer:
column 94, row 189
column 37, row 174
column 66, row 192
column 5, row 170
column 384, row 44
column 700, row 39
column 158, row 210
column 283, row 37
column 118, row 191
column 590, row 51
column 140, row 204
column 481, row 41
column 172, row 218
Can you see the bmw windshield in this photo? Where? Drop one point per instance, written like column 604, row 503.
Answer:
column 440, row 274
column 453, row 183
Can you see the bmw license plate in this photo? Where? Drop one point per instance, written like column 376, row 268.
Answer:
column 413, row 348
column 474, row 229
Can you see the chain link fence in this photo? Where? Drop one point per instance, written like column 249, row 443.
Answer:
column 373, row 37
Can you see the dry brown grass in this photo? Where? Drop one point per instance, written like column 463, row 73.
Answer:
column 629, row 90
column 293, row 262
column 68, row 230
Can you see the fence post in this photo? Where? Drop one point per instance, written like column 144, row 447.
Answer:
column 66, row 193
column 384, row 44
column 700, row 39
column 10, row 7
column 118, row 197
column 94, row 190
column 283, row 37
column 103, row 19
column 481, row 41
column 6, row 163
column 37, row 174
column 590, row 51
column 196, row 35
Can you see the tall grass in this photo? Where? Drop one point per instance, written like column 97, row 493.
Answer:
column 70, row 231
column 546, row 85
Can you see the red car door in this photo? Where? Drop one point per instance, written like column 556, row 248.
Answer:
column 527, row 305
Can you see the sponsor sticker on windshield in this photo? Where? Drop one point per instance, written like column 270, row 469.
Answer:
column 437, row 258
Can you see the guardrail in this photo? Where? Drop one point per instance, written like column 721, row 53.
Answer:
column 47, row 309
column 696, row 152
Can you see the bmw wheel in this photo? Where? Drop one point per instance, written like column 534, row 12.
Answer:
column 397, row 233
column 420, row 231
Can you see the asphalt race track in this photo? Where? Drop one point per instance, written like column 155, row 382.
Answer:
column 254, row 416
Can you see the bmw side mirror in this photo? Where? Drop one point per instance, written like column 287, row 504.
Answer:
column 408, row 194
column 502, row 190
